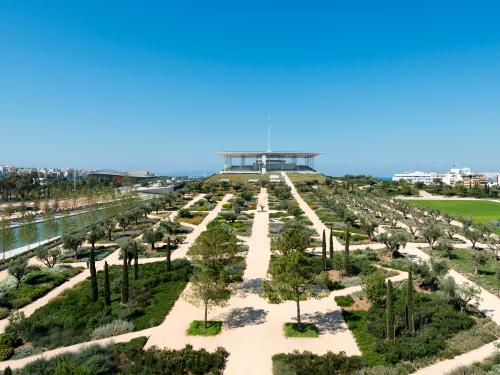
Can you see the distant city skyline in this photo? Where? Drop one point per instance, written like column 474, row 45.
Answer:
column 378, row 88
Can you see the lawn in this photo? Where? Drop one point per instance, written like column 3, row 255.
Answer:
column 302, row 177
column 197, row 328
column 72, row 317
column 480, row 211
column 300, row 330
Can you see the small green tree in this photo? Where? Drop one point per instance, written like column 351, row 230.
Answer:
column 208, row 288
column 125, row 286
column 390, row 329
column 346, row 257
column 410, row 317
column 109, row 225
column 445, row 245
column 95, row 233
column 331, row 248
column 295, row 236
column 292, row 278
column 323, row 251
column 373, row 285
column 431, row 233
column 18, row 267
column 169, row 256
column 72, row 241
column 479, row 258
column 473, row 236
column 394, row 241
column 151, row 235
column 107, row 290
column 47, row 256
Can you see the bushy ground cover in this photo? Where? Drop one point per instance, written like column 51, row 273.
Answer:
column 72, row 317
column 439, row 326
column 480, row 211
column 487, row 367
column 131, row 358
column 307, row 363
column 38, row 282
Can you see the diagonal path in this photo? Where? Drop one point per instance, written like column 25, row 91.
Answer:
column 318, row 225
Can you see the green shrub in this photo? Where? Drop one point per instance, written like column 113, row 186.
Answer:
column 6, row 352
column 20, row 302
column 4, row 312
column 306, row 363
column 344, row 301
column 9, row 339
column 116, row 327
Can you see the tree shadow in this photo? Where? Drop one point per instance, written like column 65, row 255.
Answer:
column 245, row 316
column 329, row 322
column 247, row 287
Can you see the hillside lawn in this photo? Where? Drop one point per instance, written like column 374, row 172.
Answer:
column 480, row 211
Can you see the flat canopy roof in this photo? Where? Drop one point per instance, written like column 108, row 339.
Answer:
column 277, row 154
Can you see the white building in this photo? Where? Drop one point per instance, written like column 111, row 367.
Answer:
column 426, row 178
column 450, row 178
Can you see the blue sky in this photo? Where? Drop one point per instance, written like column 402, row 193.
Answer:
column 378, row 87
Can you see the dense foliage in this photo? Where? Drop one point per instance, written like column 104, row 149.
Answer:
column 130, row 358
column 72, row 317
column 307, row 363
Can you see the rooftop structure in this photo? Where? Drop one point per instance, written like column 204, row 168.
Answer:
column 268, row 161
column 116, row 176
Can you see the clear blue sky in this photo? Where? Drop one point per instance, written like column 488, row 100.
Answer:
column 376, row 86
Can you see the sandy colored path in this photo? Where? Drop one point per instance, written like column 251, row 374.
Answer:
column 253, row 329
column 318, row 225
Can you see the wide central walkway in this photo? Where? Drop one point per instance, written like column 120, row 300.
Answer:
column 253, row 328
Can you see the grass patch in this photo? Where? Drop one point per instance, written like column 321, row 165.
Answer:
column 300, row 330
column 197, row 328
column 196, row 219
column 344, row 301
column 480, row 211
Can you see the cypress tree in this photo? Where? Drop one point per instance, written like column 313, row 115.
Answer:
column 124, row 280
column 331, row 248
column 346, row 251
column 409, row 305
column 107, row 292
column 389, row 312
column 93, row 275
column 7, row 371
column 169, row 254
column 323, row 252
column 136, row 262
